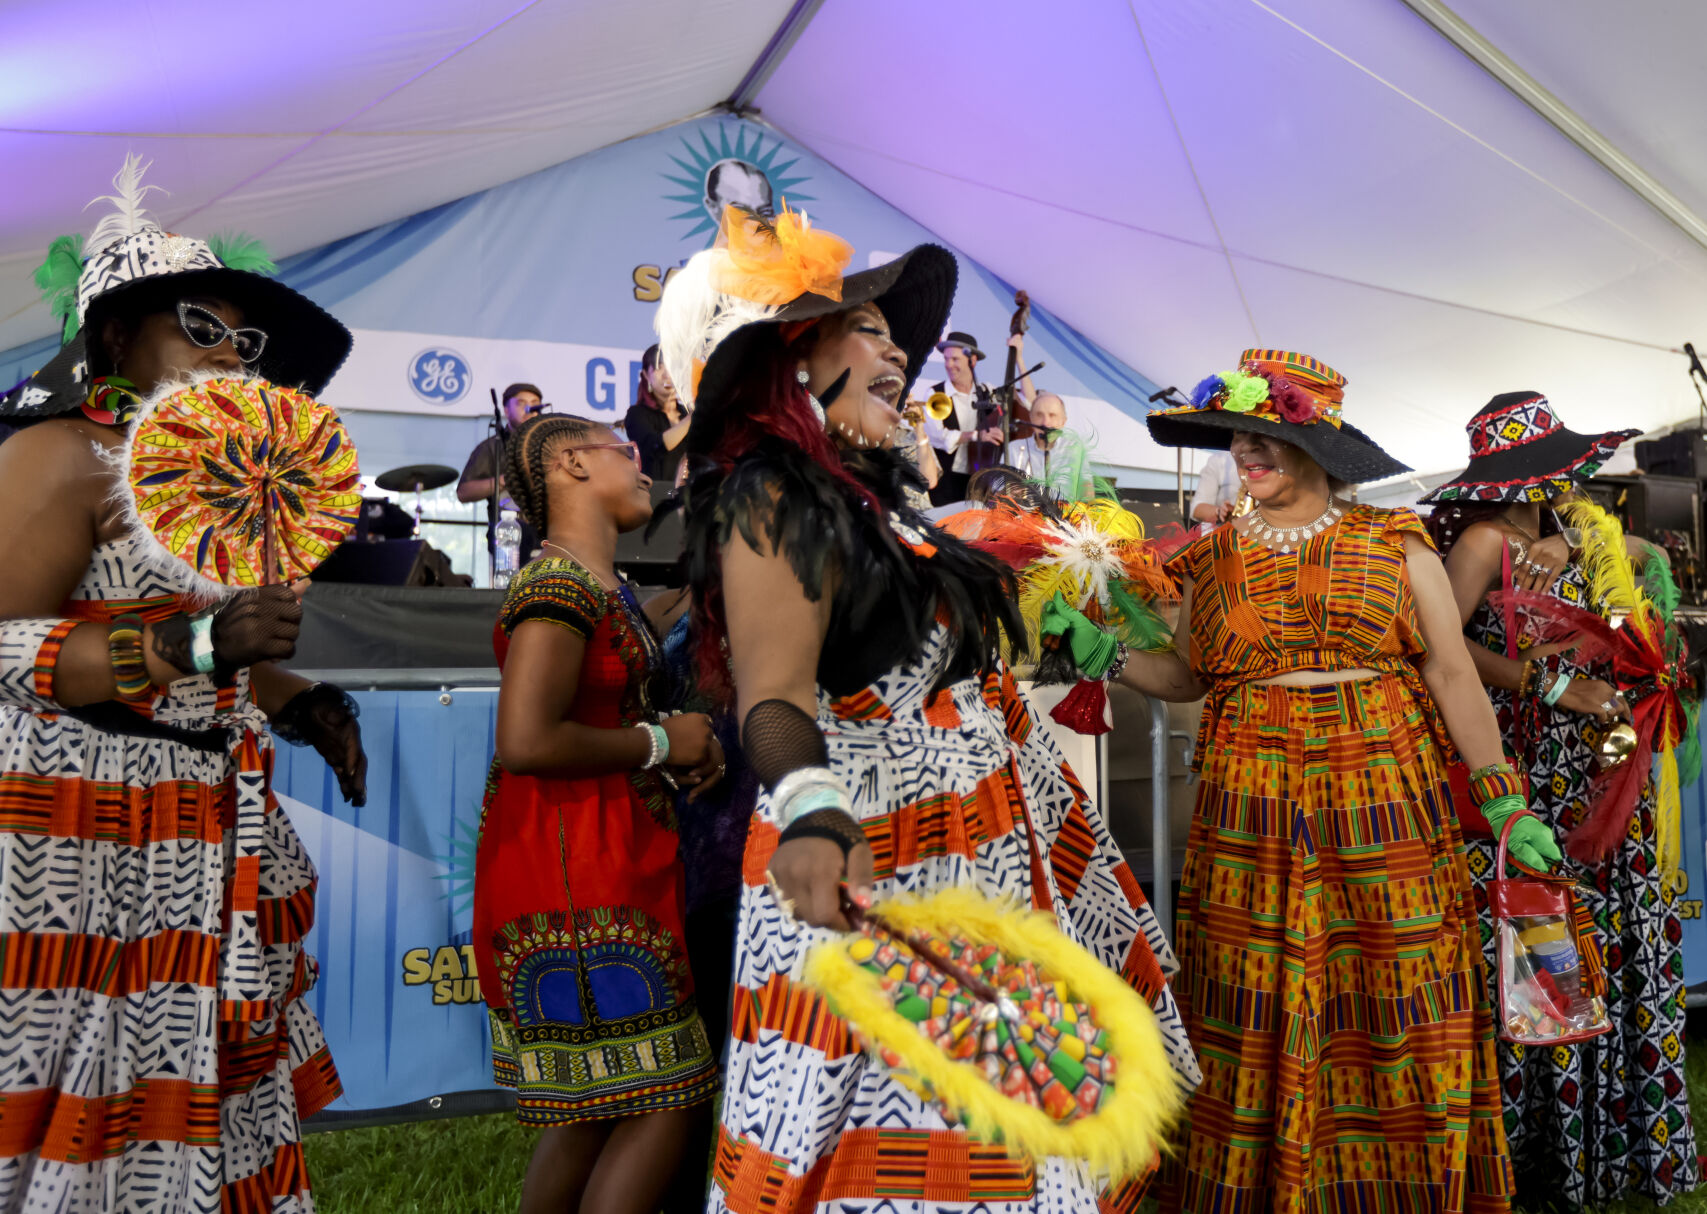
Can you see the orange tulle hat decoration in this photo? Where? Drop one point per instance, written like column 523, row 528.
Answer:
column 773, row 262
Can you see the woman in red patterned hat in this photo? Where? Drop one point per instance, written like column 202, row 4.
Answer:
column 1608, row 1118
column 1326, row 931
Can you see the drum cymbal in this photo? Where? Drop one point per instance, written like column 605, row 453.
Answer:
column 413, row 478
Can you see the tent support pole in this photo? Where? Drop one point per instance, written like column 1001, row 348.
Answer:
column 793, row 25
column 1520, row 83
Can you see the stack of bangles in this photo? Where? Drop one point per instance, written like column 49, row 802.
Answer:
column 130, row 668
column 1498, row 790
column 812, row 803
column 1546, row 685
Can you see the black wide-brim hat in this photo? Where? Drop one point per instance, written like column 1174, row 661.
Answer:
column 305, row 344
column 1521, row 453
column 914, row 292
column 1343, row 451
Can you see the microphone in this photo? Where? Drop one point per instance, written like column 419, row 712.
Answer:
column 1695, row 367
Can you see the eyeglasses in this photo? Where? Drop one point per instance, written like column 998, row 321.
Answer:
column 630, row 451
column 208, row 331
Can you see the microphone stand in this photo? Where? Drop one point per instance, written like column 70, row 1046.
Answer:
column 495, row 510
column 1697, row 373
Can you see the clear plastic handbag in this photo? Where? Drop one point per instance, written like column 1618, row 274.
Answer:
column 1552, row 978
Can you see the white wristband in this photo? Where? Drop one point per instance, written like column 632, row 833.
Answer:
column 808, row 790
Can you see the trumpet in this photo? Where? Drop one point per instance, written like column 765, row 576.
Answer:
column 939, row 406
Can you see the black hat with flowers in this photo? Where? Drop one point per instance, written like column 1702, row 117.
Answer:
column 1521, row 453
column 1285, row 395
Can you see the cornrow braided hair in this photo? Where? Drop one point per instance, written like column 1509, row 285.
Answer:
column 531, row 444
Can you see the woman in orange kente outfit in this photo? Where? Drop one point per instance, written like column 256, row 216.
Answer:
column 1330, row 963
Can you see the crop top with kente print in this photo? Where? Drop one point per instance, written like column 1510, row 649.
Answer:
column 1340, row 601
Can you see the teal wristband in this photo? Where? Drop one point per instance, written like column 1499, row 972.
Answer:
column 1561, row 683
column 201, row 643
column 660, row 750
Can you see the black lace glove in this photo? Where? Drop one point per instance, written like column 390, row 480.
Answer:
column 324, row 716
column 779, row 739
column 257, row 625
column 786, row 751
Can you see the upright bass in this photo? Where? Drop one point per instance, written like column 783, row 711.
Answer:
column 1004, row 409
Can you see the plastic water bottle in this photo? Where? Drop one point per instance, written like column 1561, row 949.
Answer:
column 1554, row 952
column 507, row 541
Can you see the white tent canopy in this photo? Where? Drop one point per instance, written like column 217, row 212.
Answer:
column 1176, row 179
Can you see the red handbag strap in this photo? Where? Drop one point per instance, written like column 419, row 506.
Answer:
column 1508, row 586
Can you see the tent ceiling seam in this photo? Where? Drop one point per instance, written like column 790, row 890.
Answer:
column 1565, row 120
column 1202, row 193
column 1462, row 130
column 388, row 93
column 816, row 141
column 775, row 51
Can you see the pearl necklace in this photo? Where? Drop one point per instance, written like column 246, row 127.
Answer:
column 1261, row 531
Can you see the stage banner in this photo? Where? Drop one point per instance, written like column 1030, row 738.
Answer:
column 553, row 279
column 397, row 993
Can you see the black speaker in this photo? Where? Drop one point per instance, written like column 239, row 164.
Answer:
column 410, row 562
column 1680, row 453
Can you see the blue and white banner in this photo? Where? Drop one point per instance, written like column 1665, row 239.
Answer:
column 553, row 279
column 397, row 993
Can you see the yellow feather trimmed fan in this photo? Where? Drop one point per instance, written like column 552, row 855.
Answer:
column 1013, row 1030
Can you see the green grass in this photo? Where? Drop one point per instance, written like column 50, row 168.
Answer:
column 474, row 1165
column 466, row 1165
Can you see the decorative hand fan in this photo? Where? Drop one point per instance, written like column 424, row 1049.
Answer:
column 245, row 482
column 1008, row 1026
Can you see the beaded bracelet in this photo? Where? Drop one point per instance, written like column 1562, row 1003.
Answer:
column 1526, row 680
column 1491, row 769
column 657, row 745
column 1121, row 653
column 130, row 668
column 1495, row 784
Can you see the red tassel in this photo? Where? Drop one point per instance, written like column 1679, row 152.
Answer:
column 1085, row 708
column 1612, row 800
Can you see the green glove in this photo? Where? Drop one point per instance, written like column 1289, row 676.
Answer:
column 1093, row 649
column 1530, row 842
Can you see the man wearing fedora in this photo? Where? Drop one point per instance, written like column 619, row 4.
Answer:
column 953, row 435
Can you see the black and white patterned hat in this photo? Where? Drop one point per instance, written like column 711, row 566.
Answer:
column 132, row 253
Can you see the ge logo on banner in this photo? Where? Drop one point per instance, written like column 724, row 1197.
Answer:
column 439, row 376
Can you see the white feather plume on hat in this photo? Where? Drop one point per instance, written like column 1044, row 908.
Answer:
column 694, row 317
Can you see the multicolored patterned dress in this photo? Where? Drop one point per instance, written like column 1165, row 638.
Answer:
column 578, row 893
column 1609, row 1118
column 1330, row 968
column 156, row 1051
column 959, row 788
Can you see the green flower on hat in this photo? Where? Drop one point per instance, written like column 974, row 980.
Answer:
column 1244, row 392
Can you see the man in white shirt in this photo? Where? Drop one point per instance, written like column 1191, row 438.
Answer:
column 1030, row 456
column 1218, row 490
column 953, row 436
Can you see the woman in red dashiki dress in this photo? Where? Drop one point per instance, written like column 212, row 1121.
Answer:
column 1330, row 966
column 578, row 898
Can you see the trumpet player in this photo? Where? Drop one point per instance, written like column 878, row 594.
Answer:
column 952, row 434
column 914, row 442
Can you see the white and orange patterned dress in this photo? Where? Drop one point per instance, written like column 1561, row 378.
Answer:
column 156, row 1053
